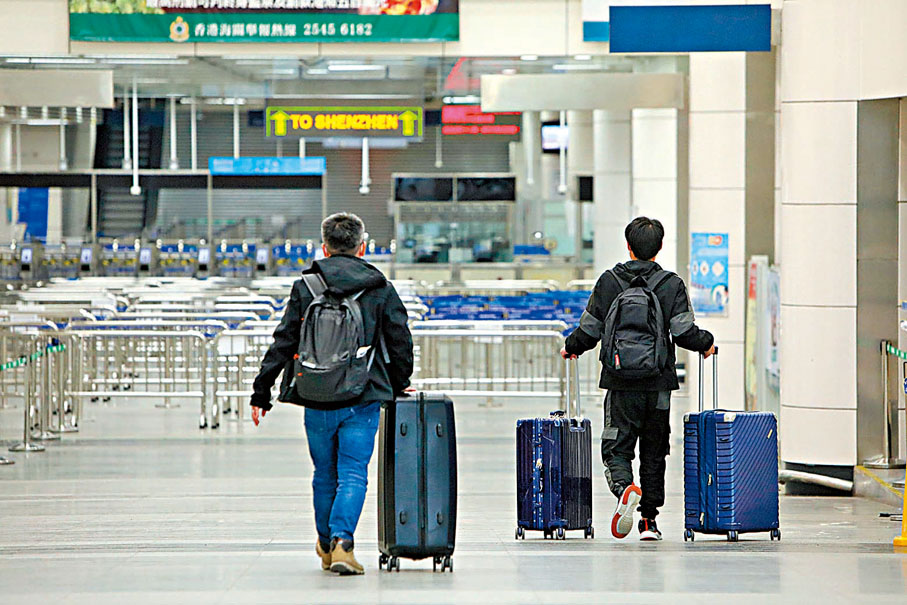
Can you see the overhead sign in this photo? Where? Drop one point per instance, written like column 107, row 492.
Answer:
column 361, row 122
column 470, row 119
column 309, row 166
column 264, row 20
column 709, row 274
column 677, row 26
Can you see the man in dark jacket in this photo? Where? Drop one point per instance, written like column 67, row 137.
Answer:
column 341, row 434
column 639, row 409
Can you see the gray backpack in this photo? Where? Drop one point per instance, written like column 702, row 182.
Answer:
column 334, row 359
column 634, row 338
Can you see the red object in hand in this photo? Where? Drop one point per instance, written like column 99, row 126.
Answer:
column 567, row 355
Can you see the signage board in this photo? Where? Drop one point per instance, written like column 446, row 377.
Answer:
column 189, row 21
column 470, row 119
column 329, row 122
column 709, row 274
column 293, row 166
column 678, row 25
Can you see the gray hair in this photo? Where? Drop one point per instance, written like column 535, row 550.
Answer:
column 342, row 233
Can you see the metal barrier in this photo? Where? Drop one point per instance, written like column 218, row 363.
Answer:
column 238, row 355
column 490, row 363
column 161, row 364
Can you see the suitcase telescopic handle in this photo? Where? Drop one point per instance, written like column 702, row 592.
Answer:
column 714, row 381
column 573, row 388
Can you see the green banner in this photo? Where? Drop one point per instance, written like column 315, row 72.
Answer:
column 187, row 21
column 327, row 122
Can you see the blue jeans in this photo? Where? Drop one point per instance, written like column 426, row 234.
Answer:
column 341, row 444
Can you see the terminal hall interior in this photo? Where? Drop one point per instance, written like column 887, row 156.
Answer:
column 166, row 167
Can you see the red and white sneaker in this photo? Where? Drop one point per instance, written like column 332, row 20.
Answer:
column 622, row 521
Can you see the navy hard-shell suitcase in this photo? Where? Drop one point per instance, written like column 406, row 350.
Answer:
column 417, row 481
column 554, row 472
column 730, row 470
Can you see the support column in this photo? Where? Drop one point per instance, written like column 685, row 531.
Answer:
column 731, row 188
column 612, row 186
column 655, row 175
column 6, row 165
column 902, row 275
column 580, row 161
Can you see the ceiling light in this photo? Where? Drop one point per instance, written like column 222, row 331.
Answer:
column 574, row 67
column 18, row 60
column 146, row 62
column 508, row 71
column 583, row 57
column 134, row 56
column 354, row 67
column 317, row 71
column 62, row 61
column 462, row 100
column 529, row 58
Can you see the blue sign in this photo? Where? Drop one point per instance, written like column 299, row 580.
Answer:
column 729, row 27
column 294, row 166
column 33, row 212
column 709, row 274
column 595, row 21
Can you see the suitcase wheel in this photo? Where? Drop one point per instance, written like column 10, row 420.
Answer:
column 561, row 534
column 445, row 563
column 589, row 532
column 393, row 564
column 520, row 533
column 776, row 534
column 382, row 561
column 732, row 536
column 689, row 535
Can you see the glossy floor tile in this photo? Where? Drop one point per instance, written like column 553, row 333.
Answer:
column 142, row 507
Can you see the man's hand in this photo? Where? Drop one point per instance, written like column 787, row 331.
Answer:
column 567, row 355
column 710, row 352
column 255, row 414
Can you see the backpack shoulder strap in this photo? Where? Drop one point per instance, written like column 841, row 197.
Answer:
column 315, row 284
column 658, row 278
column 621, row 284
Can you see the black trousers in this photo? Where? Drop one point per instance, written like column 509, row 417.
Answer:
column 646, row 417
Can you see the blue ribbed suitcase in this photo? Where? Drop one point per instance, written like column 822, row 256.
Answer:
column 554, row 472
column 730, row 470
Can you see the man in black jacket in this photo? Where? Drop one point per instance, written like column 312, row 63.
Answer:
column 639, row 409
column 341, row 435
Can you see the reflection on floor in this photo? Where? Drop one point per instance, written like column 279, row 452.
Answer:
column 140, row 507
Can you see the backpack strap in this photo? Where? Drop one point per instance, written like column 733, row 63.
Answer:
column 621, row 284
column 315, row 283
column 658, row 278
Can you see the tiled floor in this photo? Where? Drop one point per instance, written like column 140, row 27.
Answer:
column 141, row 507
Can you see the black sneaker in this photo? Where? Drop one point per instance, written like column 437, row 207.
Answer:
column 648, row 530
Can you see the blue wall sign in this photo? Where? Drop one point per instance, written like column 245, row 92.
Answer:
column 33, row 212
column 709, row 274
column 294, row 166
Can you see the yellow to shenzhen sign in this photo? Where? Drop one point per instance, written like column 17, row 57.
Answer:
column 324, row 122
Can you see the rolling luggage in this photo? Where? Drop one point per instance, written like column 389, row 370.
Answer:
column 554, row 471
column 730, row 470
column 417, row 481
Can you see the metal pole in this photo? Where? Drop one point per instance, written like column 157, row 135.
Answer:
column 211, row 218
column 366, row 178
column 18, row 148
column 135, row 189
column 235, row 129
column 324, row 195
column 174, row 161
column 301, row 147
column 64, row 164
column 193, row 133
column 44, row 416
column 26, row 445
column 562, row 186
column 94, row 208
column 127, row 146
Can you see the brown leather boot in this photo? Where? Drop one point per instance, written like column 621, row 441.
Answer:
column 325, row 556
column 342, row 560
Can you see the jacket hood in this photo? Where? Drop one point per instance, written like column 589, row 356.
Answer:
column 346, row 275
column 627, row 271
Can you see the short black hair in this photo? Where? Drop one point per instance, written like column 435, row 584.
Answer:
column 644, row 236
column 342, row 233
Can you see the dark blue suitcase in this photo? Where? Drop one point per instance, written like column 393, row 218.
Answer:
column 730, row 470
column 417, row 481
column 554, row 472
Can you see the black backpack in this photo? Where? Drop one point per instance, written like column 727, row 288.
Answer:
column 334, row 359
column 634, row 338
